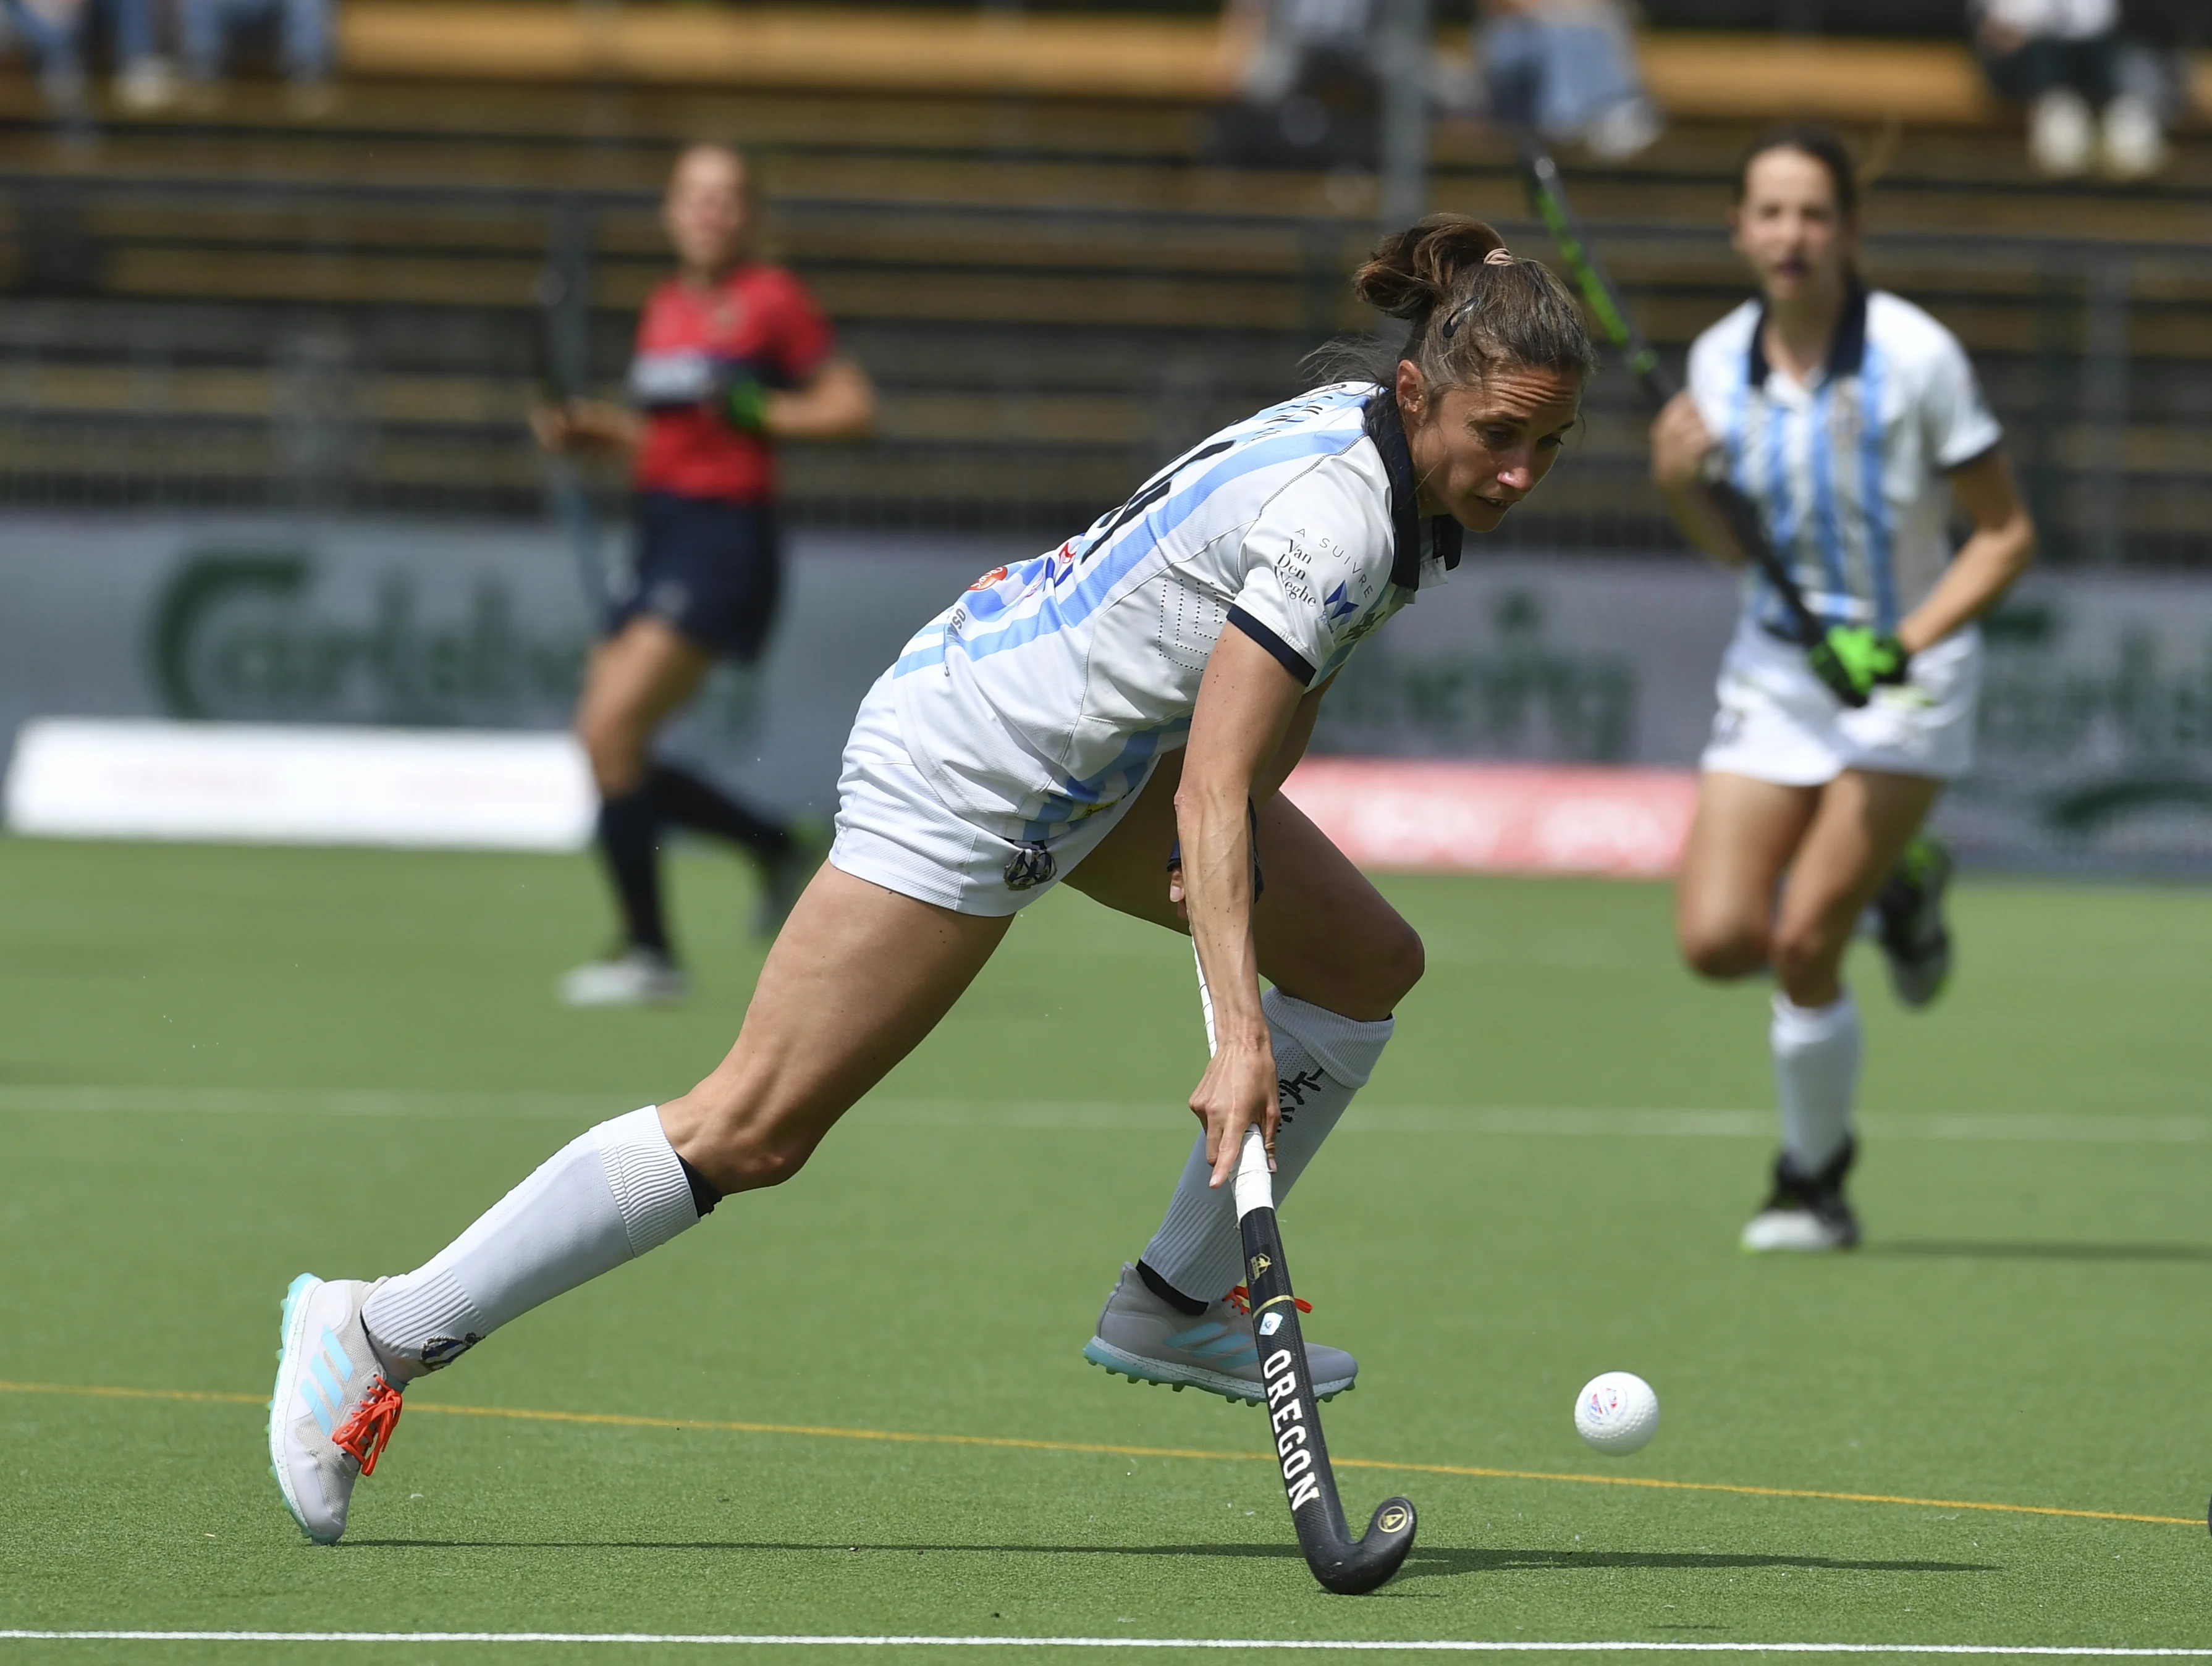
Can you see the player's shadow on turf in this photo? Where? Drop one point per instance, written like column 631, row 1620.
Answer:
column 2022, row 1249
column 1449, row 1562
column 1432, row 1562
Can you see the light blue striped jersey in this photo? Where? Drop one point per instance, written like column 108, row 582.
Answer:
column 1048, row 691
column 1848, row 473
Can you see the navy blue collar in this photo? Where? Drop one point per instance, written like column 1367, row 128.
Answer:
column 1846, row 353
column 1387, row 428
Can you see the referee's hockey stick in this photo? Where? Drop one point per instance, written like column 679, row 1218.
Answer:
column 1548, row 195
column 1344, row 1564
column 560, row 352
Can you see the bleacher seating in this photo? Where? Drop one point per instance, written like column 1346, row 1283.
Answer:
column 1055, row 293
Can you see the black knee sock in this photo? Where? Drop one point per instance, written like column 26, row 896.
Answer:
column 684, row 797
column 627, row 824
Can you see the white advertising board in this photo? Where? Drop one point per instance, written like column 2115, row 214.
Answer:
column 95, row 778
column 2096, row 734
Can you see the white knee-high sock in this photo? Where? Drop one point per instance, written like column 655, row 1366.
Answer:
column 611, row 1193
column 1321, row 1059
column 1816, row 1077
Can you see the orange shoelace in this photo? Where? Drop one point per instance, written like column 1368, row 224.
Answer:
column 1241, row 1300
column 363, row 1435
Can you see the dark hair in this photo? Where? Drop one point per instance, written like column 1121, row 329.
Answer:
column 1822, row 144
column 1468, row 314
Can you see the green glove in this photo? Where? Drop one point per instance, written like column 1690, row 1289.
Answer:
column 1854, row 661
column 745, row 406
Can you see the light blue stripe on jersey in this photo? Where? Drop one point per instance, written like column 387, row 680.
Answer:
column 1738, row 440
column 1142, row 537
column 926, row 650
column 1781, row 503
column 1827, row 532
column 1874, row 503
column 1136, row 754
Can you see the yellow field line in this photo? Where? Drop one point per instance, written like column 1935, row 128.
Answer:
column 625, row 1420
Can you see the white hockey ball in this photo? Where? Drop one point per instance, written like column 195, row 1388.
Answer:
column 1617, row 1413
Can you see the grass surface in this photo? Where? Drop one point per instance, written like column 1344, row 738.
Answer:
column 218, row 1068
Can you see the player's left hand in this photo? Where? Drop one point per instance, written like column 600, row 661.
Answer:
column 1237, row 1092
column 744, row 405
column 1854, row 661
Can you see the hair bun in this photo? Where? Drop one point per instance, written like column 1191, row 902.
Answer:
column 1412, row 271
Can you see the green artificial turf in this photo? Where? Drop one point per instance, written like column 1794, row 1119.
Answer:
column 221, row 1067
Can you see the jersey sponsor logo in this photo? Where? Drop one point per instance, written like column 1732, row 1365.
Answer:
column 988, row 579
column 1339, row 604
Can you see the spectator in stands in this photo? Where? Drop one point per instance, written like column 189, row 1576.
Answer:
column 1567, row 69
column 1311, row 70
column 55, row 31
column 733, row 356
column 304, row 52
column 2065, row 60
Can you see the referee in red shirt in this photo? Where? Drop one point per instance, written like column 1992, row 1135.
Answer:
column 732, row 355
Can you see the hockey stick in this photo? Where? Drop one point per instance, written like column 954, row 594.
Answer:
column 1344, row 1564
column 1548, row 195
column 562, row 349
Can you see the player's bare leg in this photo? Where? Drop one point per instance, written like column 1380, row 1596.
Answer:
column 1340, row 959
column 1860, row 826
column 633, row 680
column 1741, row 841
column 859, row 976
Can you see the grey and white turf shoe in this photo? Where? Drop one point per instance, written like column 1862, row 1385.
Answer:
column 1910, row 911
column 1146, row 1340
column 635, row 978
column 1805, row 1211
column 333, row 1409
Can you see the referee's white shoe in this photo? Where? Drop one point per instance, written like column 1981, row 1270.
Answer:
column 635, row 978
column 333, row 1407
column 1145, row 1338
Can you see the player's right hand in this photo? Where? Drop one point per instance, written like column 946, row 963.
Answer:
column 1680, row 443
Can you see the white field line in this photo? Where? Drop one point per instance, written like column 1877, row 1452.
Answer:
column 1108, row 1115
column 735, row 1639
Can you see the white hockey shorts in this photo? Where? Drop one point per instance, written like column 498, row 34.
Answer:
column 894, row 831
column 1778, row 722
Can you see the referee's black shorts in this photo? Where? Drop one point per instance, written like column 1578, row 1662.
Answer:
column 712, row 571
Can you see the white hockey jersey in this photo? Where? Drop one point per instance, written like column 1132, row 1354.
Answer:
column 1048, row 691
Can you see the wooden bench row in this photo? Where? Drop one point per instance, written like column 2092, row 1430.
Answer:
column 981, row 50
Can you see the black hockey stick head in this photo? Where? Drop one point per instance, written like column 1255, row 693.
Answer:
column 1377, row 1555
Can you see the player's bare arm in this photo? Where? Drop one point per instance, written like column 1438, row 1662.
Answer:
column 1246, row 704
column 838, row 404
column 2000, row 549
column 1682, row 450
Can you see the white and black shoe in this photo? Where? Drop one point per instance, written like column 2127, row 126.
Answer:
column 1914, row 938
column 1805, row 1212
column 635, row 977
